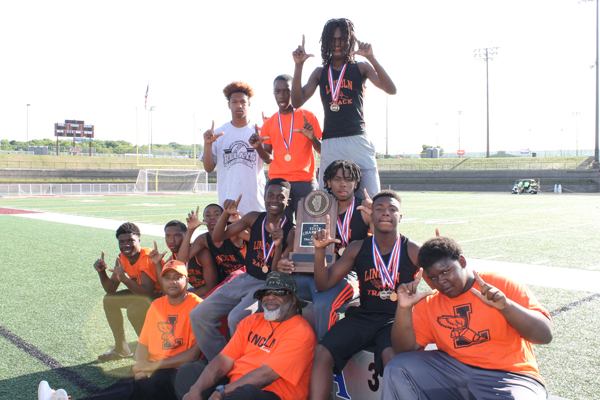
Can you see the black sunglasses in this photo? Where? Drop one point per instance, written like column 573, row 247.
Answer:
column 275, row 292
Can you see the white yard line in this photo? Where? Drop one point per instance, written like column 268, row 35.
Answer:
column 539, row 275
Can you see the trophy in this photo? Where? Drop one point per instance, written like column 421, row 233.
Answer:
column 310, row 218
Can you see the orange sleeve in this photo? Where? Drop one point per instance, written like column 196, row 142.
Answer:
column 421, row 326
column 235, row 348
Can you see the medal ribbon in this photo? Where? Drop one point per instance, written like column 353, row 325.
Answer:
column 343, row 227
column 266, row 254
column 389, row 272
column 287, row 144
column 335, row 93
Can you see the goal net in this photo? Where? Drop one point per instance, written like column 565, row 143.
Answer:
column 171, row 180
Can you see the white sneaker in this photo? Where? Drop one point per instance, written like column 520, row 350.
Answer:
column 44, row 391
column 59, row 394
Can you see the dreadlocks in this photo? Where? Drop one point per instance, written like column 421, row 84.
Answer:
column 348, row 40
column 346, row 165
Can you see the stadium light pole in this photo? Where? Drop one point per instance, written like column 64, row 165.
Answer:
column 151, row 109
column 596, row 163
column 459, row 114
column 27, row 134
column 485, row 54
column 576, row 114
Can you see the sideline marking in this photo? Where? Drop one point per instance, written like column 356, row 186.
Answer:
column 48, row 361
column 574, row 304
column 14, row 211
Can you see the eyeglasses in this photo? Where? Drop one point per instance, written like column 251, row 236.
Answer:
column 276, row 292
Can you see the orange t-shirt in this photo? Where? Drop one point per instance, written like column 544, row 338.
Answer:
column 476, row 334
column 301, row 168
column 167, row 330
column 289, row 351
column 143, row 264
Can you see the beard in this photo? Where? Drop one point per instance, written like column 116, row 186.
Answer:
column 274, row 315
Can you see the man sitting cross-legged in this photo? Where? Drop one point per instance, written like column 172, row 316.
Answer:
column 382, row 261
column 271, row 237
column 268, row 357
column 202, row 274
column 166, row 343
column 135, row 270
column 483, row 325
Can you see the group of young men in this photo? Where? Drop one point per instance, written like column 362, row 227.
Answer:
column 238, row 332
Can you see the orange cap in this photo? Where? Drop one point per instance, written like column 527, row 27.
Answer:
column 176, row 266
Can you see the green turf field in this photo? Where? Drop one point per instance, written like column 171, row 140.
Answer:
column 51, row 297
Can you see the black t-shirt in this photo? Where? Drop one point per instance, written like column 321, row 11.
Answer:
column 254, row 255
column 359, row 230
column 349, row 120
column 195, row 271
column 229, row 257
column 370, row 281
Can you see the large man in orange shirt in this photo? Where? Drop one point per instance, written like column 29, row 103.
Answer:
column 268, row 358
column 483, row 324
column 288, row 138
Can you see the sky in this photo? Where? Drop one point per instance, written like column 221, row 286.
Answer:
column 92, row 61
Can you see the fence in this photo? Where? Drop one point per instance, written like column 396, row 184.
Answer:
column 56, row 189
column 473, row 166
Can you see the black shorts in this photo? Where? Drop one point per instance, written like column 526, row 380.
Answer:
column 357, row 331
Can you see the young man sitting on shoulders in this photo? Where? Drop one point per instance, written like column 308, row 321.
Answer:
column 483, row 325
column 383, row 262
column 136, row 271
column 202, row 274
column 271, row 237
column 166, row 343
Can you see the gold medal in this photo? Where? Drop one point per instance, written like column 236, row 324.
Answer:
column 335, row 107
column 287, row 157
column 394, row 296
column 341, row 251
column 265, row 269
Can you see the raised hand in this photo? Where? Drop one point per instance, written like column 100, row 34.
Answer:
column 437, row 232
column 256, row 140
column 209, row 135
column 100, row 265
column 155, row 256
column 285, row 265
column 300, row 54
column 364, row 49
column 276, row 233
column 367, row 204
column 490, row 295
column 230, row 206
column 119, row 270
column 308, row 130
column 322, row 238
column 263, row 117
column 408, row 294
column 192, row 219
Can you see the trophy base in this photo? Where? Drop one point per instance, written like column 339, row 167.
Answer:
column 305, row 263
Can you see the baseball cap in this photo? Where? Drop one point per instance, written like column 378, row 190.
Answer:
column 176, row 266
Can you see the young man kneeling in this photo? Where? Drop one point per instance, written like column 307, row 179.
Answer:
column 483, row 326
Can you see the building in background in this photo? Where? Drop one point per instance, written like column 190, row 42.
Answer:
column 73, row 129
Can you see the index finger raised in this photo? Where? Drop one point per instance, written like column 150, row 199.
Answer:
column 213, row 125
column 102, row 256
column 367, row 197
column 155, row 246
column 303, row 41
column 238, row 200
column 478, row 278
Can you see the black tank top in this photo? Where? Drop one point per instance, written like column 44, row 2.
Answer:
column 358, row 228
column 349, row 120
column 370, row 281
column 229, row 257
column 195, row 271
column 254, row 255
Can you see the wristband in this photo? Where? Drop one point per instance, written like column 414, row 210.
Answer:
column 221, row 390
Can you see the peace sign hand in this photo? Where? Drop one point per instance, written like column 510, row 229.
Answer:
column 263, row 117
column 230, row 206
column 321, row 239
column 119, row 270
column 367, row 204
column 192, row 219
column 276, row 233
column 364, row 49
column 490, row 295
column 209, row 135
column 408, row 294
column 308, row 130
column 256, row 140
column 100, row 265
column 300, row 55
column 155, row 256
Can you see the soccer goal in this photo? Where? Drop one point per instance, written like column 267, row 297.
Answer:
column 171, row 180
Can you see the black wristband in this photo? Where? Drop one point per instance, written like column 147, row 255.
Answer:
column 221, row 390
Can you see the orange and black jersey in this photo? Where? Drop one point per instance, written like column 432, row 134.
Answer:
column 359, row 229
column 229, row 257
column 254, row 255
column 195, row 271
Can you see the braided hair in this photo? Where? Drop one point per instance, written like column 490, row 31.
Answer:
column 346, row 165
column 348, row 39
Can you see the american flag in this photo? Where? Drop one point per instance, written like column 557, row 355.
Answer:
column 146, row 97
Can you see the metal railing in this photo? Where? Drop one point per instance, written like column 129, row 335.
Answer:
column 57, row 189
column 477, row 166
